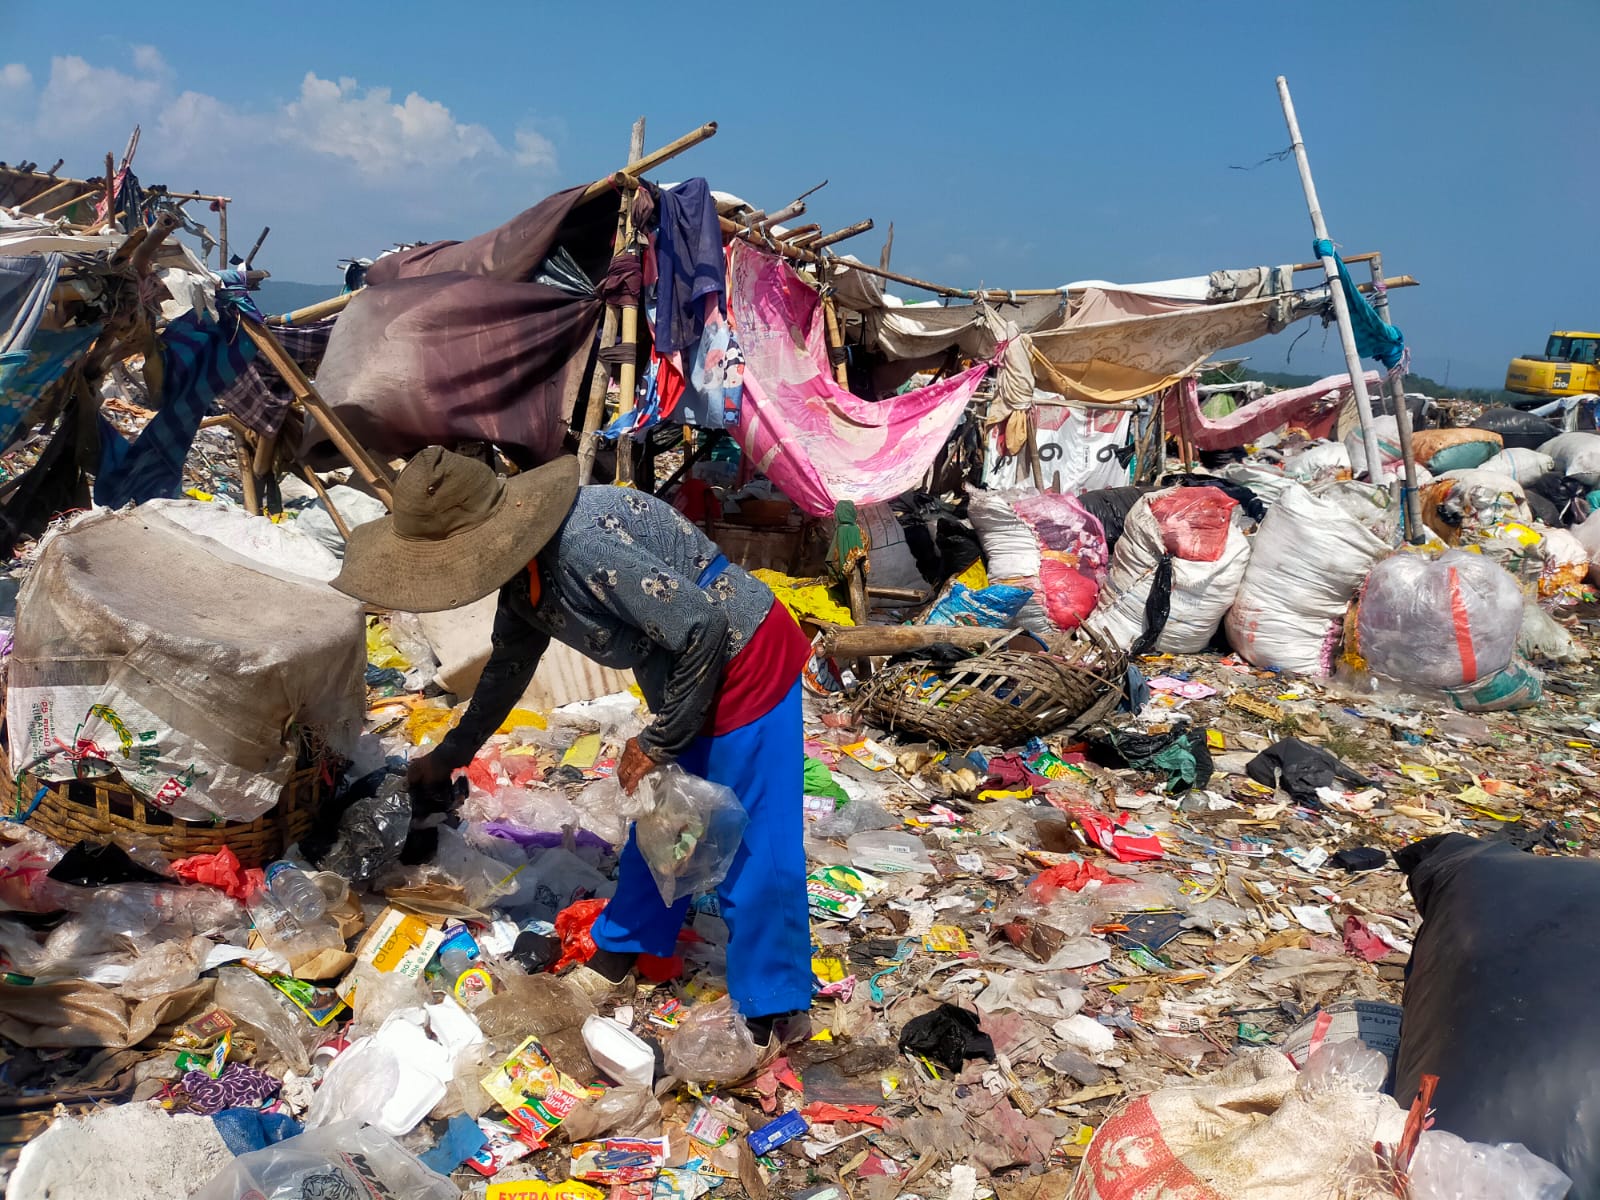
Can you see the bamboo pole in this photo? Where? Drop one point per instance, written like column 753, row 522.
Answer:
column 787, row 212
column 310, row 477
column 644, row 162
column 66, row 204
column 1402, row 418
column 312, row 313
column 374, row 472
column 1341, row 307
column 222, row 236
column 49, row 191
column 628, row 372
column 839, row 235
column 841, row 372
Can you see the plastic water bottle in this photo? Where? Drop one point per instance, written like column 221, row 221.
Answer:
column 453, row 960
column 296, row 891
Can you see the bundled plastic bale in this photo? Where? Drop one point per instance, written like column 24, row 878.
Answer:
column 1192, row 535
column 1439, row 623
column 1444, row 450
column 1576, row 455
column 1464, row 505
column 1521, row 464
column 1387, row 430
column 1517, row 429
column 1318, row 461
column 1048, row 543
column 1306, row 562
column 1372, row 505
column 184, row 665
column 1499, row 998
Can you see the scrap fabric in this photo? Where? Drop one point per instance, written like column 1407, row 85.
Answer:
column 811, row 437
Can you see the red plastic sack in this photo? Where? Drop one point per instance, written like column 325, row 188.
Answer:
column 1069, row 594
column 1194, row 521
column 574, row 924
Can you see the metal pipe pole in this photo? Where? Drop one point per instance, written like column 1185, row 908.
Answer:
column 1341, row 308
column 1402, row 417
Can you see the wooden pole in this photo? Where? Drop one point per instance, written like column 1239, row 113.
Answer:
column 642, row 162
column 787, row 212
column 1341, row 307
column 841, row 372
column 1402, row 418
column 222, row 234
column 66, row 204
column 871, row 641
column 39, row 197
column 628, row 373
column 310, row 477
column 374, row 472
column 247, row 477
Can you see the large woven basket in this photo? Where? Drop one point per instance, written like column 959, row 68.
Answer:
column 998, row 699
column 106, row 809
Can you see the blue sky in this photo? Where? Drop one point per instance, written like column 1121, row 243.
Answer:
column 1012, row 144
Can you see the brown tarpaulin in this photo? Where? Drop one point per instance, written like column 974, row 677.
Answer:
column 454, row 342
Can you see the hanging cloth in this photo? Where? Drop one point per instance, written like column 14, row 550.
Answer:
column 1375, row 337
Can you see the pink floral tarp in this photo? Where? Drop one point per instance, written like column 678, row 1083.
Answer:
column 814, row 439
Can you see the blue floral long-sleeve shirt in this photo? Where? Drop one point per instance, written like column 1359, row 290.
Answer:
column 618, row 583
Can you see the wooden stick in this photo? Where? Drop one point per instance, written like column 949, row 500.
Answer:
column 310, row 477
column 222, row 236
column 266, row 455
column 313, row 313
column 655, row 158
column 628, row 369
column 66, row 204
column 145, row 252
column 801, row 235
column 785, row 213
column 870, row 641
column 376, row 475
column 49, row 191
column 903, row 595
column 841, row 373
column 849, row 231
column 111, row 188
column 247, row 478
column 1410, row 500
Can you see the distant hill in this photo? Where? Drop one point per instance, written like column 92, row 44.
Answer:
column 1414, row 383
column 280, row 296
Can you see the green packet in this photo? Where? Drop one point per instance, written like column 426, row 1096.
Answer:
column 320, row 1004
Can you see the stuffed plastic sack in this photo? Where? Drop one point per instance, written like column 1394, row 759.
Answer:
column 1439, row 623
column 1306, row 562
column 185, row 666
column 1576, row 455
column 1046, row 542
column 1499, row 999
column 1201, row 590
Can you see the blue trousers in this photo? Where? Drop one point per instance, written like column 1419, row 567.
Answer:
column 763, row 898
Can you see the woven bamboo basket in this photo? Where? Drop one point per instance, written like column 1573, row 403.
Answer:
column 105, row 809
column 998, row 699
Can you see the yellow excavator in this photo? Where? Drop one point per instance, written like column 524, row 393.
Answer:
column 1569, row 366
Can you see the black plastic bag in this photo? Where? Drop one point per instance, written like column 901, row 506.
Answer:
column 1110, row 506
column 1517, row 429
column 948, row 1035
column 1302, row 768
column 1499, row 999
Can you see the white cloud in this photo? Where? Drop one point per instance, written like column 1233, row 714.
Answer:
column 147, row 60
column 365, row 128
column 80, row 98
column 532, row 149
column 323, row 168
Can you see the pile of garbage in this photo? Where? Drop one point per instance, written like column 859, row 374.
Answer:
column 1158, row 944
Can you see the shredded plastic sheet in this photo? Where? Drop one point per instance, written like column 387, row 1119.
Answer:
column 147, row 649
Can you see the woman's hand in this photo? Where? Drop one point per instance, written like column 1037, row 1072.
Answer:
column 634, row 765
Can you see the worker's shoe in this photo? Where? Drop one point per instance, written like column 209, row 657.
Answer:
column 775, row 1034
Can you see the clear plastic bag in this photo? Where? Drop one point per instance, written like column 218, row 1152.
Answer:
column 250, row 999
column 711, row 1045
column 689, row 831
column 1445, row 1167
column 1343, row 1067
column 339, row 1160
column 858, row 816
column 1441, row 623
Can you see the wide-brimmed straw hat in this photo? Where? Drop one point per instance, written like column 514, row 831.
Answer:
column 458, row 532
